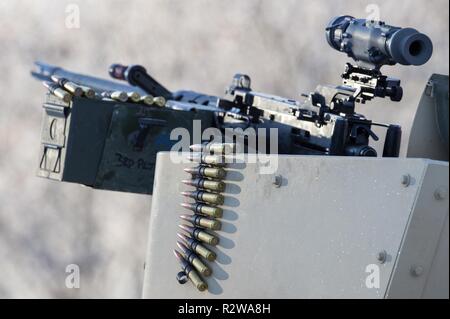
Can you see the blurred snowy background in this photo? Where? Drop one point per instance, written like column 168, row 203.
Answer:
column 197, row 44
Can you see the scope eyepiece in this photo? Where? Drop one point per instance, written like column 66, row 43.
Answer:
column 373, row 44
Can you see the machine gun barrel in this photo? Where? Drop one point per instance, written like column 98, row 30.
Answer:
column 46, row 71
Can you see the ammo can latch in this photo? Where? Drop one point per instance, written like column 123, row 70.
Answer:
column 52, row 136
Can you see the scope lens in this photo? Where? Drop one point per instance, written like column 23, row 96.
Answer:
column 409, row 47
column 416, row 48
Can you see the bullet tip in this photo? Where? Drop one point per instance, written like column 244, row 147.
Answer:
column 177, row 254
column 184, row 237
column 186, row 228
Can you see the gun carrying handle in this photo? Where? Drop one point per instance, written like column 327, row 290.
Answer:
column 136, row 75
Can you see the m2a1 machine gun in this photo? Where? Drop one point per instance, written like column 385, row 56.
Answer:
column 111, row 143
